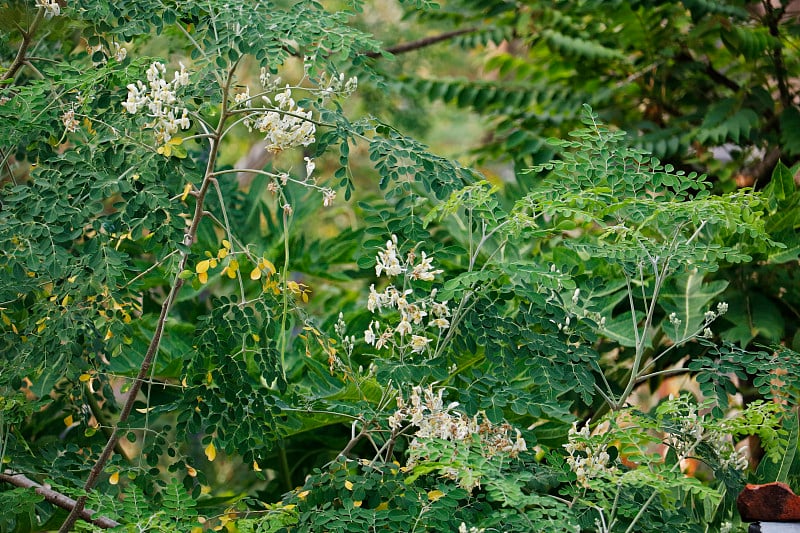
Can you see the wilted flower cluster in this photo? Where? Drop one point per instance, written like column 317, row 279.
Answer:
column 426, row 411
column 71, row 124
column 415, row 315
column 587, row 459
column 159, row 97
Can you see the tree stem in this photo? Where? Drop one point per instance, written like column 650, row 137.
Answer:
column 152, row 349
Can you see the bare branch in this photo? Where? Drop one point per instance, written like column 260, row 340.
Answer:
column 58, row 499
column 422, row 43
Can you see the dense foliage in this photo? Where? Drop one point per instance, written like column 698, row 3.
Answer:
column 231, row 300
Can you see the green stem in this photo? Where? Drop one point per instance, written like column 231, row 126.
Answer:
column 284, row 336
column 286, row 472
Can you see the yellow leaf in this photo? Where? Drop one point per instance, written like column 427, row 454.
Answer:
column 302, row 495
column 68, row 420
column 65, row 301
column 226, row 244
column 211, row 451
column 109, row 334
column 231, row 269
column 191, row 471
column 266, row 264
column 222, row 253
column 84, row 378
column 255, row 274
column 383, row 506
column 434, row 495
column 114, row 479
column 256, row 467
column 348, row 484
column 88, row 125
column 202, row 266
column 6, row 320
column 203, row 277
column 255, row 337
column 186, row 190
column 357, row 503
column 197, row 529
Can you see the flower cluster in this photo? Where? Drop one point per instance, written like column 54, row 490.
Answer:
column 118, row 52
column 587, row 458
column 338, row 85
column 691, row 431
column 709, row 317
column 426, row 411
column 286, row 125
column 159, row 97
column 415, row 316
column 51, row 8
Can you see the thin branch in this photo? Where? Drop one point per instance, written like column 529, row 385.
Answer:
column 58, row 499
column 666, row 372
column 27, row 38
column 422, row 43
column 772, row 19
column 155, row 343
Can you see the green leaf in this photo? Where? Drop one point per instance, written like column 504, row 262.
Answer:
column 621, row 328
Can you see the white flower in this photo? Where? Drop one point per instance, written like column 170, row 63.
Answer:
column 423, row 270
column 722, row 308
column 351, row 86
column 387, row 260
column 310, row 166
column 51, row 8
column 161, row 101
column 369, row 337
column 441, row 323
column 328, row 196
column 242, row 97
column 374, row 299
column 575, row 296
column 285, row 127
column 403, row 327
column 120, row 52
column 418, row 343
column 674, row 320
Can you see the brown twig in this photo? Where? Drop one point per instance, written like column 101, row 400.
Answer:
column 421, row 43
column 152, row 349
column 58, row 499
column 27, row 38
column 772, row 18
